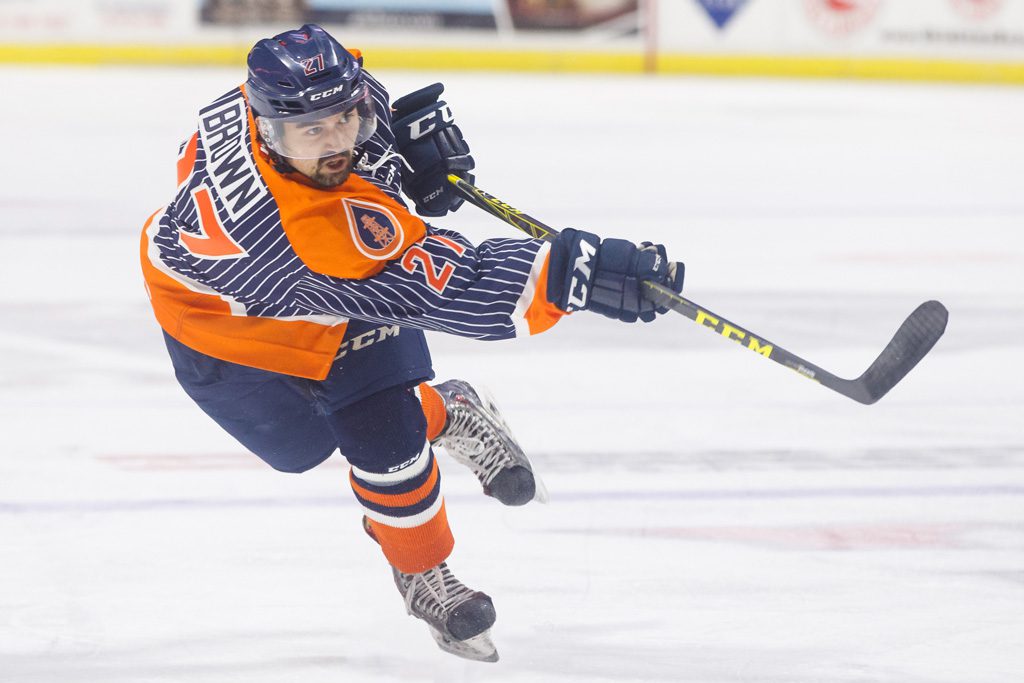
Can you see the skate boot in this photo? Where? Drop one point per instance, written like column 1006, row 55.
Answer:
column 459, row 618
column 477, row 436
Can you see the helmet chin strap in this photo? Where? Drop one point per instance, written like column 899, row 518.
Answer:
column 281, row 164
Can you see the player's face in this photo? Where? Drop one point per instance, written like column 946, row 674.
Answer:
column 322, row 149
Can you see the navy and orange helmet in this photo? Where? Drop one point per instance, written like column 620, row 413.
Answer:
column 302, row 77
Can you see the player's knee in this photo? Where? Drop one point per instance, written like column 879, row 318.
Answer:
column 384, row 428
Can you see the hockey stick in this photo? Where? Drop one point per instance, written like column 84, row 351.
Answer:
column 915, row 337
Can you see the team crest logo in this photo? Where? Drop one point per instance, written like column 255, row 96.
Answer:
column 376, row 232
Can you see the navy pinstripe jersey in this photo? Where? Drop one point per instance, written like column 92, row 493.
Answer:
column 250, row 266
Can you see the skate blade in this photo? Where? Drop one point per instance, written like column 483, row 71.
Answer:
column 541, row 494
column 479, row 648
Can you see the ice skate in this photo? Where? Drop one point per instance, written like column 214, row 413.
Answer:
column 459, row 617
column 477, row 436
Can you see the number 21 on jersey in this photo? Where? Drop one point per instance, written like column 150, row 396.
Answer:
column 437, row 277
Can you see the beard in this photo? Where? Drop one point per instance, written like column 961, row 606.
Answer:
column 332, row 171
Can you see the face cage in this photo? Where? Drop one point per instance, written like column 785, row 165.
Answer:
column 272, row 130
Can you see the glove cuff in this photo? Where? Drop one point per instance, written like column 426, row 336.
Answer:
column 572, row 265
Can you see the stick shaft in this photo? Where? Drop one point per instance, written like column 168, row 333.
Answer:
column 920, row 331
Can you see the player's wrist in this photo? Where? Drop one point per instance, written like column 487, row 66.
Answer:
column 605, row 276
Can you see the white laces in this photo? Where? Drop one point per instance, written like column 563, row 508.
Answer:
column 434, row 592
column 471, row 440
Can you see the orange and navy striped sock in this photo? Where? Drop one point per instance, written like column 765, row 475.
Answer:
column 406, row 512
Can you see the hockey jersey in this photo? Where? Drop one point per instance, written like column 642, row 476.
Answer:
column 250, row 266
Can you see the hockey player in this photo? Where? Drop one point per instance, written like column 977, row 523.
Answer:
column 293, row 286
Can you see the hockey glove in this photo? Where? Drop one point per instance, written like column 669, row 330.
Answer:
column 433, row 146
column 586, row 273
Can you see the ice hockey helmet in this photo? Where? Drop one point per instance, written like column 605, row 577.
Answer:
column 305, row 75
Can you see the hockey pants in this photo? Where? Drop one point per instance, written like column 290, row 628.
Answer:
column 373, row 406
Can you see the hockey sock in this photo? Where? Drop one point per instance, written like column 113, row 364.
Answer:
column 406, row 513
column 433, row 410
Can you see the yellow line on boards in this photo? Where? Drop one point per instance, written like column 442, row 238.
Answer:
column 141, row 55
column 906, row 69
column 376, row 57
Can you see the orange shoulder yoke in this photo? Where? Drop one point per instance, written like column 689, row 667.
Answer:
column 348, row 232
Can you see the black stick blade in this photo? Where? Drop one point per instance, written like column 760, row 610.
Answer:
column 915, row 338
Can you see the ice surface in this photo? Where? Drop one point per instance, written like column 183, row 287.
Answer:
column 713, row 516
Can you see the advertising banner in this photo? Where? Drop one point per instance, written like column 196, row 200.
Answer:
column 918, row 39
column 503, row 16
column 93, row 20
column 379, row 14
column 575, row 15
column 939, row 29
